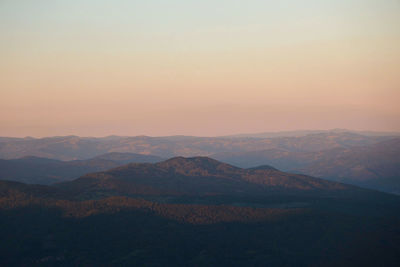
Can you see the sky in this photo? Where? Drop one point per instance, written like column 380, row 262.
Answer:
column 205, row 68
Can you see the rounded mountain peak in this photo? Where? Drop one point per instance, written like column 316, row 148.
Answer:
column 197, row 166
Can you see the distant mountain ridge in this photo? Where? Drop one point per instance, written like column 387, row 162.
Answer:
column 73, row 147
column 375, row 166
column 300, row 133
column 35, row 170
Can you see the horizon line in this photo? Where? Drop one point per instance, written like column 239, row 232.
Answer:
column 247, row 134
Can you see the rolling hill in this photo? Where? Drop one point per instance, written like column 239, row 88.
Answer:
column 81, row 148
column 375, row 166
column 35, row 170
column 197, row 212
column 200, row 176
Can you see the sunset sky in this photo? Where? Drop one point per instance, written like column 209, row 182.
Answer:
column 211, row 67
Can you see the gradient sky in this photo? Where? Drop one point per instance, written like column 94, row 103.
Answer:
column 210, row 67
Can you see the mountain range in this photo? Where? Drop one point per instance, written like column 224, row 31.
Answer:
column 369, row 161
column 197, row 211
column 200, row 176
column 300, row 133
column 35, row 170
column 78, row 148
column 375, row 166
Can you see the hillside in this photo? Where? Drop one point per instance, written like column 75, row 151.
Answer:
column 196, row 176
column 375, row 166
column 35, row 170
column 197, row 212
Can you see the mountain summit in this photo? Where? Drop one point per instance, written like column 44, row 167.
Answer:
column 197, row 176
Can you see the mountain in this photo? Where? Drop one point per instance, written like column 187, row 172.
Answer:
column 311, row 154
column 35, row 170
column 123, row 158
column 197, row 212
column 300, row 133
column 282, row 159
column 375, row 166
column 81, row 148
column 196, row 176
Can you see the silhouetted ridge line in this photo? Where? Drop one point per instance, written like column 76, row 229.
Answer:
column 263, row 167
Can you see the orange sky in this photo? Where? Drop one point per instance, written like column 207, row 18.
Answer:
column 156, row 69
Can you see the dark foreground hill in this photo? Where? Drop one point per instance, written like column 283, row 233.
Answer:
column 197, row 212
column 34, row 170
